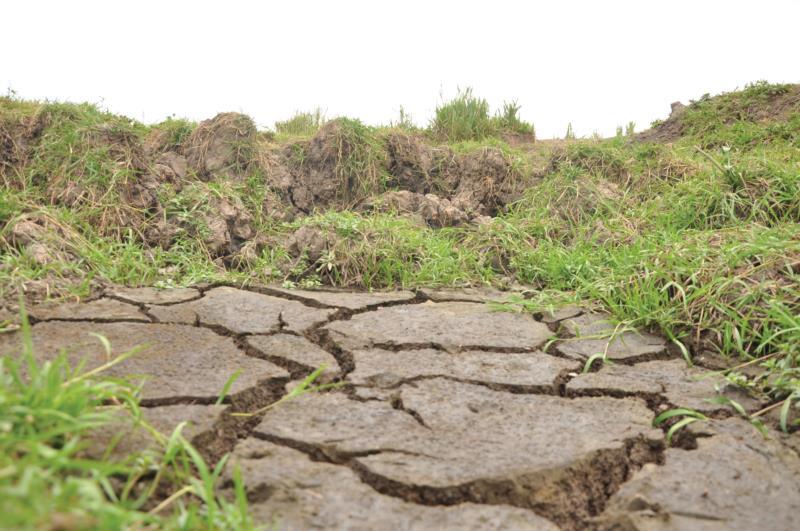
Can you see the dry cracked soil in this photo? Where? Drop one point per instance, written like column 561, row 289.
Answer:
column 449, row 414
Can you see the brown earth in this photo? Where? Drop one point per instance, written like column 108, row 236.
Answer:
column 449, row 415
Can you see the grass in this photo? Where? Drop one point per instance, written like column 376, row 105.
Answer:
column 47, row 480
column 696, row 239
column 467, row 117
column 301, row 124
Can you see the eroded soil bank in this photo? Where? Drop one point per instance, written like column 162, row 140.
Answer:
column 450, row 414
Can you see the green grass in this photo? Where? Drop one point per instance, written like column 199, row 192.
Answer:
column 48, row 411
column 301, row 124
column 467, row 117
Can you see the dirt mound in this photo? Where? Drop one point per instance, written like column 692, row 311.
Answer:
column 224, row 144
column 759, row 102
column 344, row 165
column 669, row 130
column 478, row 182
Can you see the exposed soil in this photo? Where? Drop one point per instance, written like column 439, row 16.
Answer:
column 449, row 415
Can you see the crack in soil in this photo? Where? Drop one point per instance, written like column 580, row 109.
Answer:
column 569, row 496
column 517, row 389
column 96, row 320
column 142, row 306
column 397, row 403
column 297, row 370
column 220, row 440
column 392, row 346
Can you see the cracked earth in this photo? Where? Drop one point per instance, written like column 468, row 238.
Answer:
column 450, row 414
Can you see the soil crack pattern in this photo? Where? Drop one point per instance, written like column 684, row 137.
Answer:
column 449, row 414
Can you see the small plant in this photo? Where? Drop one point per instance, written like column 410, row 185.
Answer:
column 687, row 416
column 404, row 121
column 570, row 135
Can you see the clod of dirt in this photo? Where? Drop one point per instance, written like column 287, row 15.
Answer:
column 431, row 209
column 522, row 371
column 242, row 312
column 448, row 325
column 131, row 438
column 669, row 130
column 482, row 294
column 142, row 193
column 170, row 167
column 288, row 488
column 154, row 295
column 556, row 315
column 43, row 239
column 223, row 145
column 180, row 362
column 594, row 334
column 308, row 241
column 735, row 480
column 98, row 310
column 277, row 209
column 295, row 349
column 679, row 384
column 347, row 299
column 557, row 456
column 228, row 226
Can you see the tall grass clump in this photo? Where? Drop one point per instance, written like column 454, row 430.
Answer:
column 507, row 119
column 465, row 117
column 302, row 123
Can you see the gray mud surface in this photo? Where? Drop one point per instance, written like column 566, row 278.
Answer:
column 449, row 414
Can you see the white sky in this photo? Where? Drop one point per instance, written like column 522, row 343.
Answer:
column 597, row 64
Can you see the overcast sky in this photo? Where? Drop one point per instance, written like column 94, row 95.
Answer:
column 595, row 64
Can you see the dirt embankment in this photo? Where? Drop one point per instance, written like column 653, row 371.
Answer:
column 161, row 189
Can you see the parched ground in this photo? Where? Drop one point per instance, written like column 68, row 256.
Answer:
column 450, row 414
